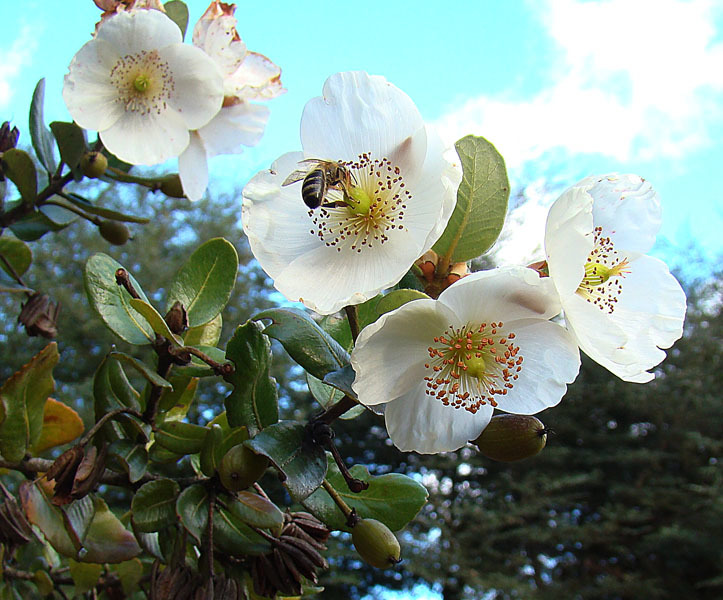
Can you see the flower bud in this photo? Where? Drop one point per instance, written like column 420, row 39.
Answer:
column 93, row 164
column 171, row 186
column 8, row 137
column 240, row 467
column 376, row 543
column 114, row 232
column 509, row 438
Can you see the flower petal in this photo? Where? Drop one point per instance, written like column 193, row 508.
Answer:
column 360, row 113
column 257, row 78
column 138, row 30
column 569, row 239
column 628, row 210
column 198, row 84
column 389, row 355
column 234, row 127
column 147, row 139
column 193, row 168
column 552, row 360
column 506, row 293
column 87, row 91
column 417, row 422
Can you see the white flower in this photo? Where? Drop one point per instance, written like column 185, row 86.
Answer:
column 440, row 367
column 621, row 305
column 403, row 187
column 141, row 88
column 247, row 76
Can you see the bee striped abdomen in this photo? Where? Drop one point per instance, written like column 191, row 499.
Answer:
column 314, row 188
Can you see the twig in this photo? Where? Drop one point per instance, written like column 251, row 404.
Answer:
column 353, row 317
column 104, row 419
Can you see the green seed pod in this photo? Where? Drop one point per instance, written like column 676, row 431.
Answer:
column 376, row 543
column 171, row 186
column 114, row 232
column 512, row 437
column 240, row 467
column 93, row 164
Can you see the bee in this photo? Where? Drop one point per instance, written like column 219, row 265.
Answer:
column 320, row 177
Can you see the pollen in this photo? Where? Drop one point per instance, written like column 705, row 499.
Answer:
column 340, row 226
column 143, row 81
column 468, row 366
column 605, row 270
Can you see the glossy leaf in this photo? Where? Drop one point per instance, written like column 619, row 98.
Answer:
column 40, row 135
column 257, row 511
column 208, row 459
column 204, row 284
column 22, row 399
column 305, row 341
column 301, row 464
column 130, row 574
column 113, row 215
column 177, row 11
column 192, row 510
column 207, row 334
column 61, row 424
column 19, row 168
column 112, row 301
column 155, row 320
column 181, row 438
column 232, row 535
column 17, row 253
column 144, row 370
column 327, row 396
column 159, row 454
column 397, row 298
column 71, row 143
column 131, row 457
column 35, row 225
column 342, row 380
column 393, row 499
column 174, row 403
column 253, row 401
column 77, row 517
column 112, row 391
column 154, row 505
column 481, row 207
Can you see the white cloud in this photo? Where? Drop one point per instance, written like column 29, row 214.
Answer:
column 14, row 59
column 637, row 78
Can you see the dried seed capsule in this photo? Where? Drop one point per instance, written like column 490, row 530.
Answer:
column 512, row 437
column 376, row 543
column 240, row 467
column 93, row 164
column 114, row 232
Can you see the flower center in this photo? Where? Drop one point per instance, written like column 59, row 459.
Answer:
column 366, row 213
column 470, row 365
column 143, row 81
column 604, row 271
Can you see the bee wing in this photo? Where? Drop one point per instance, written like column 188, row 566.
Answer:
column 295, row 176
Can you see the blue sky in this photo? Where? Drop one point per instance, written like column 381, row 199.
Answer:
column 563, row 88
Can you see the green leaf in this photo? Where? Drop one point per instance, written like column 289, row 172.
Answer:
column 481, row 207
column 155, row 320
column 17, row 253
column 132, row 458
column 112, row 391
column 130, row 574
column 253, row 401
column 112, row 301
column 71, row 143
column 257, row 511
column 234, row 537
column 174, row 404
column 204, row 284
column 154, row 505
column 159, row 454
column 397, row 298
column 85, row 575
column 342, row 380
column 305, row 341
column 327, row 396
column 207, row 334
column 78, row 517
column 393, row 499
column 20, row 169
column 208, row 459
column 192, row 510
column 181, row 438
column 113, row 215
column 22, row 399
column 40, row 135
column 177, row 11
column 338, row 327
column 148, row 374
column 35, row 225
column 300, row 463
